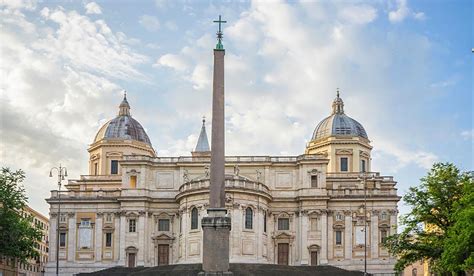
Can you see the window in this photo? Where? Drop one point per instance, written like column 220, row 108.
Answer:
column 362, row 166
column 283, row 224
column 264, row 221
column 414, row 272
column 339, row 216
column 248, row 218
column 314, row 224
column 383, row 216
column 314, row 181
column 180, row 223
column 132, row 225
column 108, row 239
column 108, row 218
column 163, row 225
column 62, row 239
column 85, row 222
column 96, row 168
column 383, row 235
column 194, row 218
column 338, row 237
column 133, row 181
column 344, row 164
column 62, row 219
column 114, row 167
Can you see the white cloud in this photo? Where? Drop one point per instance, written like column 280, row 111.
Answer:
column 175, row 62
column 89, row 45
column 468, row 135
column 402, row 11
column 93, row 8
column 170, row 25
column 360, row 14
column 151, row 23
column 201, row 77
column 19, row 4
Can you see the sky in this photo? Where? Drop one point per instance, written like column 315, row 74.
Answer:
column 404, row 69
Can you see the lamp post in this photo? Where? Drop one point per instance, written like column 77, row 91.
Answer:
column 62, row 172
column 363, row 176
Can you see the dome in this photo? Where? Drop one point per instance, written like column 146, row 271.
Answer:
column 123, row 127
column 339, row 124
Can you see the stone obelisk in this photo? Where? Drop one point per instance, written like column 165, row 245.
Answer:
column 216, row 226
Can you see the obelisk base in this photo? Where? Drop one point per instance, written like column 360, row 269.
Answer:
column 216, row 231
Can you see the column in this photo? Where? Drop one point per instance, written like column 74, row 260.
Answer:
column 98, row 237
column 348, row 235
column 71, row 238
column 116, row 238
column 123, row 222
column 304, row 238
column 324, row 237
column 374, row 230
column 141, row 238
column 53, row 225
column 330, row 236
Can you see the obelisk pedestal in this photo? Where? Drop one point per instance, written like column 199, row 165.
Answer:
column 216, row 225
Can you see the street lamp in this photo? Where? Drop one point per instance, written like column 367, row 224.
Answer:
column 363, row 176
column 62, row 172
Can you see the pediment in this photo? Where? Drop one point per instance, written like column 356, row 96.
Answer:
column 283, row 236
column 163, row 236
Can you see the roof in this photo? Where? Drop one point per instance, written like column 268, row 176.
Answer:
column 202, row 143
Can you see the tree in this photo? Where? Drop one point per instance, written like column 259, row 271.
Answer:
column 18, row 236
column 441, row 210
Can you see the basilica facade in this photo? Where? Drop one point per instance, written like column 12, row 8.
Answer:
column 134, row 208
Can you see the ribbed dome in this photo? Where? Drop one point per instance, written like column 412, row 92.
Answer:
column 123, row 127
column 339, row 124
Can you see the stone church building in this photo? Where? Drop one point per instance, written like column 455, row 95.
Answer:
column 135, row 208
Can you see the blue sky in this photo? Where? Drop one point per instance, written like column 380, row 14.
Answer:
column 404, row 69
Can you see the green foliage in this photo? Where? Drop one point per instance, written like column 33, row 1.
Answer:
column 18, row 236
column 439, row 228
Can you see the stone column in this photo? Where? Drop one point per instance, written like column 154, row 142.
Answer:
column 98, row 237
column 53, row 225
column 374, row 235
column 348, row 236
column 304, row 238
column 330, row 236
column 123, row 222
column 141, row 237
column 324, row 239
column 71, row 238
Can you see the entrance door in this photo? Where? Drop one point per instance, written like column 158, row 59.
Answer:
column 163, row 254
column 131, row 259
column 314, row 257
column 283, row 250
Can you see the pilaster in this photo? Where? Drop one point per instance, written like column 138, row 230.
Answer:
column 324, row 241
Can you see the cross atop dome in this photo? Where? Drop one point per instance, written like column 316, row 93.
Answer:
column 220, row 35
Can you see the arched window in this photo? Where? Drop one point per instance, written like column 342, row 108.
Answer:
column 194, row 218
column 248, row 218
column 414, row 272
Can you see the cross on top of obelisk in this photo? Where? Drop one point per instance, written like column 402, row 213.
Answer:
column 219, row 45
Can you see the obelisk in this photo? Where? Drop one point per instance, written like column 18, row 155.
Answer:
column 216, row 226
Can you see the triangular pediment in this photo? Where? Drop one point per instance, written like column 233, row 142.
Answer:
column 163, row 236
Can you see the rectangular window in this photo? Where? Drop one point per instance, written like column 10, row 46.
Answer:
column 344, row 164
column 133, row 181
column 314, row 181
column 383, row 235
column 108, row 218
column 108, row 239
column 132, row 226
column 283, row 224
column 338, row 237
column 62, row 239
column 163, row 225
column 96, row 168
column 264, row 222
column 114, row 167
column 181, row 223
column 362, row 165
